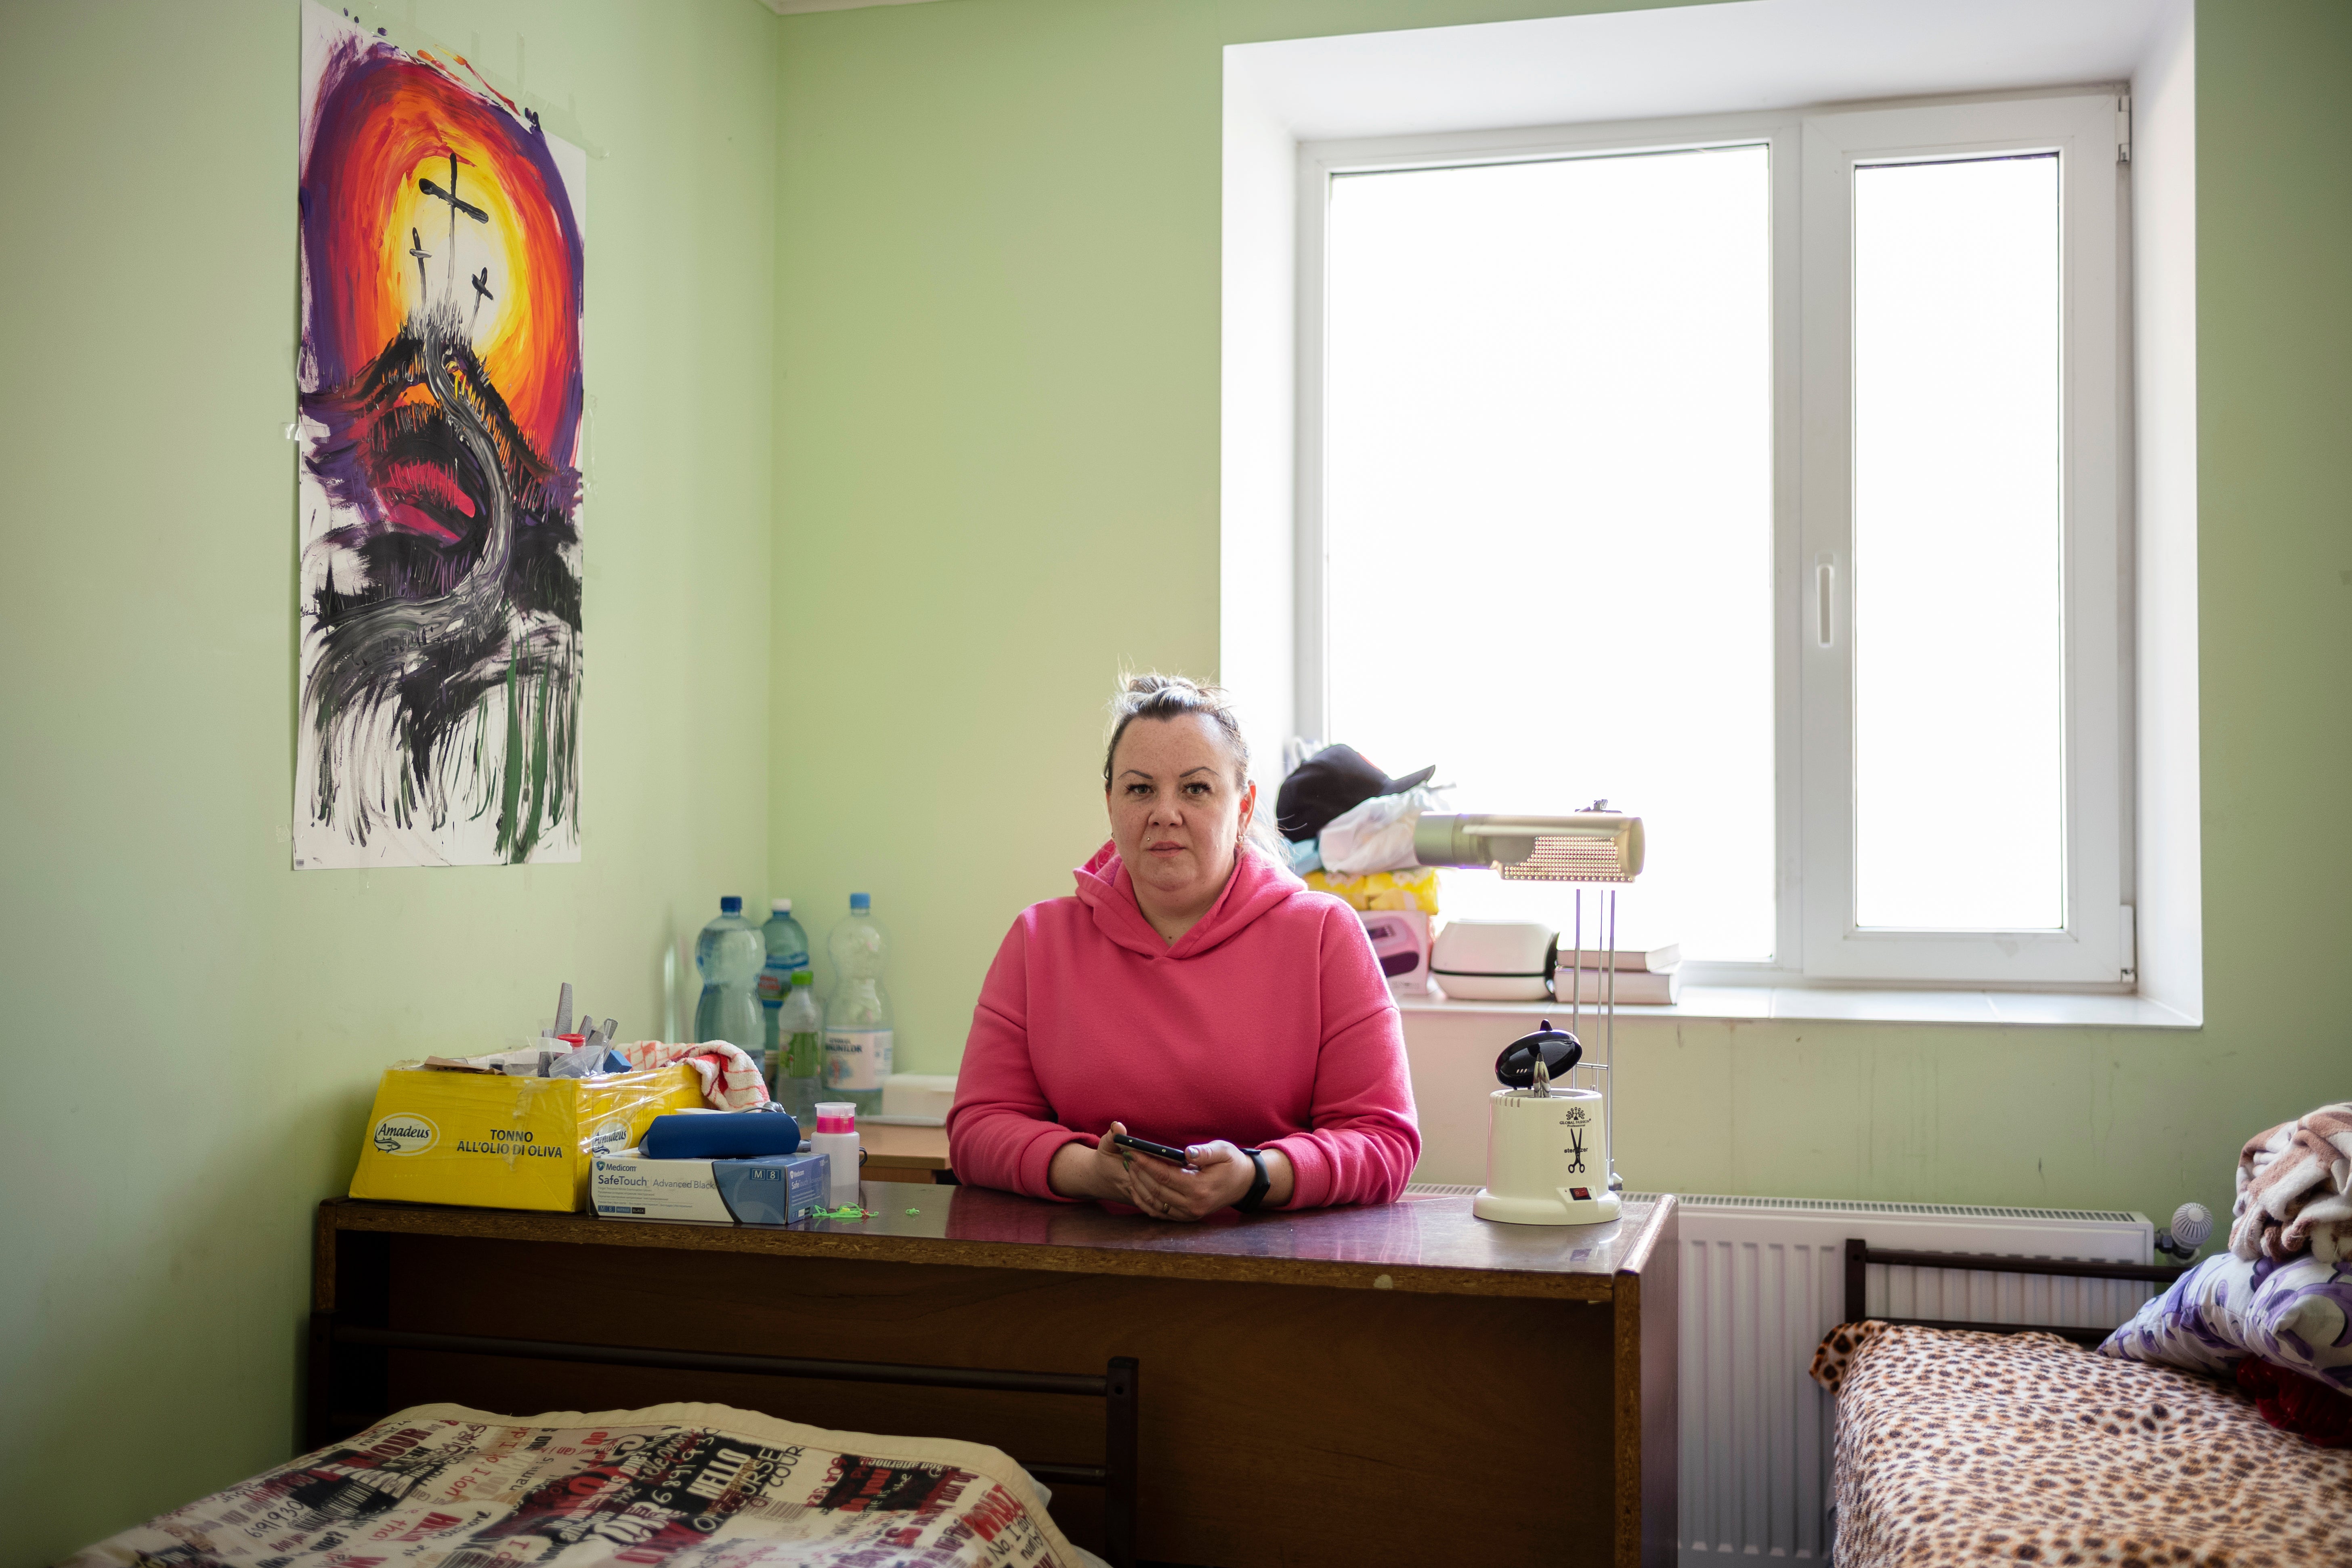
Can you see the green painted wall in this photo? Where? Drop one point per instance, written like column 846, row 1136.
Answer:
column 194, row 1029
column 907, row 316
column 997, row 472
column 997, row 434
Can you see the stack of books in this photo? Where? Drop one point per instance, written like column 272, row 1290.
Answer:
column 1646, row 976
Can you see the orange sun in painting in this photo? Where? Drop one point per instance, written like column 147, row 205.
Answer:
column 376, row 187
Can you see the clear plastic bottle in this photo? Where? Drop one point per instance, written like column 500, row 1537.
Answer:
column 727, row 955
column 796, row 1067
column 857, row 1034
column 788, row 954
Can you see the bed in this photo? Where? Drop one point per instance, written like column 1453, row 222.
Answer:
column 441, row 1486
column 667, row 1486
column 1958, row 1445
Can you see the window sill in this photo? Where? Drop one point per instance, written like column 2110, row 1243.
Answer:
column 1999, row 1008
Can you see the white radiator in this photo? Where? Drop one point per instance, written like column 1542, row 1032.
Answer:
column 1762, row 1280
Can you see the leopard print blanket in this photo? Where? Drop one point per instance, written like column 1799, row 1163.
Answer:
column 1956, row 1447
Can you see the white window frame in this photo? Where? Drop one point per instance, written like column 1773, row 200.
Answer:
column 2088, row 948
column 1812, row 154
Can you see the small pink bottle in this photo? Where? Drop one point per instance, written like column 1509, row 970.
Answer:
column 836, row 1137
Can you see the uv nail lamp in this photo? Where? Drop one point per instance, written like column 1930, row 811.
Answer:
column 1595, row 846
column 1546, row 1147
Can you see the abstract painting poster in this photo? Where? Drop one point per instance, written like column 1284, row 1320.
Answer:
column 439, row 442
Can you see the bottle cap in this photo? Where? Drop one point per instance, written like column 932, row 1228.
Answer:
column 780, row 906
column 859, row 901
column 731, row 904
column 837, row 1115
column 803, row 977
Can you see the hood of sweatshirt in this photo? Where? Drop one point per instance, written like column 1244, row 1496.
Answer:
column 1257, row 886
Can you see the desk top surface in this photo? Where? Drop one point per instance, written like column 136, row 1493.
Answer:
column 906, row 1148
column 1424, row 1243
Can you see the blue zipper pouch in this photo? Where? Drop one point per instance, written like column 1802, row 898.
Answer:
column 721, row 1135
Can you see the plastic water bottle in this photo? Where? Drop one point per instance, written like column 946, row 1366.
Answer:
column 727, row 955
column 796, row 1067
column 857, row 1036
column 788, row 954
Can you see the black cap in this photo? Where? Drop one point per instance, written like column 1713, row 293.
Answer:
column 1333, row 781
column 1516, row 1068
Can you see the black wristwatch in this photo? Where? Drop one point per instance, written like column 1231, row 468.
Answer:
column 1258, row 1184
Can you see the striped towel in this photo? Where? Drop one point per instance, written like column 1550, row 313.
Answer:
column 730, row 1077
column 2294, row 1189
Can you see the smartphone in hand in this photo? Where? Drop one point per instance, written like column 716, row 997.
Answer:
column 1156, row 1151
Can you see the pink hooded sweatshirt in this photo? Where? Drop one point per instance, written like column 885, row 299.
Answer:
column 1269, row 1024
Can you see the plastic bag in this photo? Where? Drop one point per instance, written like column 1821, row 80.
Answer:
column 1376, row 835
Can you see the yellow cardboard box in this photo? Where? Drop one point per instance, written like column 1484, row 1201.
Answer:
column 492, row 1141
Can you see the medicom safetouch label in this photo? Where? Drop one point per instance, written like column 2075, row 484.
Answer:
column 773, row 1189
column 856, row 1059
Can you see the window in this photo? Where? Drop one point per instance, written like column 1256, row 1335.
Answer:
column 1761, row 475
column 1550, row 520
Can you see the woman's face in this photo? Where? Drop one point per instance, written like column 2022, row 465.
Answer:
column 1176, row 814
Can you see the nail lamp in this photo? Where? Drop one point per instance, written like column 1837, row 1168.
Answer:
column 1596, row 846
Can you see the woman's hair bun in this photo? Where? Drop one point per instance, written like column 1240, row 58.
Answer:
column 1148, row 694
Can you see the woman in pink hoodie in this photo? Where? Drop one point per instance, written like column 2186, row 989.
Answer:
column 1192, row 992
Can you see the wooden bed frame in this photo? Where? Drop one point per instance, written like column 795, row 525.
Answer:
column 1859, row 1255
column 347, row 1358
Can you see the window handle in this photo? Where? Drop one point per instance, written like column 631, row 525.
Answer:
column 1824, row 595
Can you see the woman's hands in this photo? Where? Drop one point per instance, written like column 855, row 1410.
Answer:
column 1218, row 1175
column 1104, row 1171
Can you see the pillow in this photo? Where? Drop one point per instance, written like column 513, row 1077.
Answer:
column 2302, row 1318
column 2296, row 1314
column 2198, row 1322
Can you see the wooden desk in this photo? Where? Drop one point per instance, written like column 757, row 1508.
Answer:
column 903, row 1153
column 1400, row 1384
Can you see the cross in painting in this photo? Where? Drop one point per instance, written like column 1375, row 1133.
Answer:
column 417, row 248
column 455, row 207
column 481, row 282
